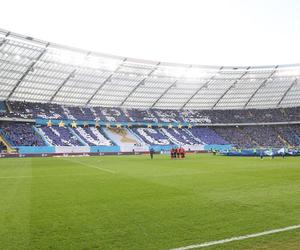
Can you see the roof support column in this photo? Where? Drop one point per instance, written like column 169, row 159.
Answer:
column 5, row 39
column 260, row 86
column 287, row 91
column 230, row 87
column 139, row 84
column 72, row 74
column 202, row 87
column 30, row 68
column 167, row 90
column 103, row 84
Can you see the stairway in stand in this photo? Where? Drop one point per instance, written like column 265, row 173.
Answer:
column 10, row 149
column 283, row 140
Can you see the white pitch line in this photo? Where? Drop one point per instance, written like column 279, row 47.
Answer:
column 91, row 166
column 248, row 236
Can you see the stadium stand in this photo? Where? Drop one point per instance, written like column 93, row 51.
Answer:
column 21, row 134
column 234, row 130
column 208, row 136
column 54, row 111
column 2, row 146
column 53, row 96
column 59, row 136
column 2, row 107
column 124, row 138
column 92, row 136
column 152, row 136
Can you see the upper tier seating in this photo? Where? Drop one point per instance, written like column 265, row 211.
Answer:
column 77, row 113
column 54, row 111
column 36, row 110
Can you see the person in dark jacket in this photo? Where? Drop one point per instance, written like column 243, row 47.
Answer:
column 151, row 153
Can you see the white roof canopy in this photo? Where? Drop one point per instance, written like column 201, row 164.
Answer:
column 37, row 71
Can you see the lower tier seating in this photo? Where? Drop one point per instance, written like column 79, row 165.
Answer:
column 25, row 134
column 21, row 134
column 92, row 136
column 59, row 136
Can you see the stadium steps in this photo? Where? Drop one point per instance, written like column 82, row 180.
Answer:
column 297, row 135
column 38, row 132
column 283, row 112
column 283, row 140
column 10, row 149
column 77, row 136
column 8, row 107
column 137, row 136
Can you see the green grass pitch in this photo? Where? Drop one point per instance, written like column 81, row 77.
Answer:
column 131, row 202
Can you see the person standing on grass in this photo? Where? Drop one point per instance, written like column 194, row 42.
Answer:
column 172, row 153
column 151, row 153
column 182, row 152
column 261, row 154
column 178, row 153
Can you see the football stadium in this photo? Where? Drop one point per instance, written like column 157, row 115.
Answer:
column 99, row 151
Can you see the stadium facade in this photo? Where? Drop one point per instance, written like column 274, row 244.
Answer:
column 56, row 99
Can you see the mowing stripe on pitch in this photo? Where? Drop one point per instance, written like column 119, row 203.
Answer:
column 248, row 236
column 90, row 166
column 40, row 176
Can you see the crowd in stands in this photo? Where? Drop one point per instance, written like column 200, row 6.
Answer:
column 208, row 136
column 181, row 136
column 35, row 110
column 92, row 136
column 152, row 136
column 24, row 134
column 261, row 136
column 21, row 134
column 55, row 111
column 59, row 136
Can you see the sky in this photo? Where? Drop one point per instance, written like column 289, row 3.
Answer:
column 204, row 32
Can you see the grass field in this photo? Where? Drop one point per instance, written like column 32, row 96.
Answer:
column 131, row 202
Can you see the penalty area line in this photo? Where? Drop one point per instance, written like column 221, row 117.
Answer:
column 244, row 237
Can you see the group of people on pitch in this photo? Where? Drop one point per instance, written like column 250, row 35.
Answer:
column 178, row 153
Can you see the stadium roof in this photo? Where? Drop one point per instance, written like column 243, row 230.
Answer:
column 38, row 71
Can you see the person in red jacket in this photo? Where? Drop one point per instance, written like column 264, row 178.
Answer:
column 178, row 153
column 182, row 152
